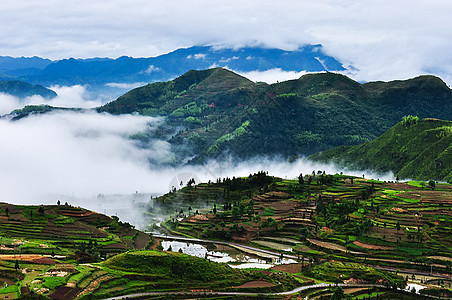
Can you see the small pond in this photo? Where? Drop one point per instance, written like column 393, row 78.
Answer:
column 224, row 254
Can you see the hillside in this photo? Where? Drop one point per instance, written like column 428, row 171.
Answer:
column 22, row 89
column 331, row 229
column 341, row 225
column 66, row 252
column 67, row 229
column 418, row 149
column 218, row 112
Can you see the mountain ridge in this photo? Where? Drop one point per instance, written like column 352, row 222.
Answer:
column 222, row 112
column 97, row 72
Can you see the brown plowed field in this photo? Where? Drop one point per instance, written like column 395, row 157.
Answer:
column 255, row 284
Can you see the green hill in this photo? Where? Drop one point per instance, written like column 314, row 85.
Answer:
column 418, row 149
column 65, row 230
column 24, row 89
column 66, row 252
column 216, row 112
column 175, row 265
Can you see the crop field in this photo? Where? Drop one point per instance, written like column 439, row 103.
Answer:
column 331, row 217
column 339, row 229
column 43, row 248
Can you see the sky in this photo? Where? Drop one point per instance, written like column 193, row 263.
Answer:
column 383, row 40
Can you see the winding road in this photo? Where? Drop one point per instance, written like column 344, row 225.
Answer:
column 211, row 293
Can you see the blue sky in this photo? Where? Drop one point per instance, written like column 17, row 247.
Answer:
column 384, row 39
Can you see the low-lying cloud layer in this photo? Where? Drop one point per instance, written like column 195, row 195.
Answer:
column 68, row 96
column 272, row 75
column 89, row 159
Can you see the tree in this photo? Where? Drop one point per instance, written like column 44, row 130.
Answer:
column 301, row 179
column 338, row 294
column 398, row 226
column 432, row 184
column 214, row 209
column 7, row 211
column 58, row 202
column 16, row 266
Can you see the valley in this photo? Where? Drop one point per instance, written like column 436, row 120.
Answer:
column 315, row 235
column 338, row 230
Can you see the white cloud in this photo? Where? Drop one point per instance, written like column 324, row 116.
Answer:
column 125, row 86
column 152, row 69
column 272, row 75
column 384, row 39
column 196, row 56
column 8, row 103
column 77, row 156
column 68, row 96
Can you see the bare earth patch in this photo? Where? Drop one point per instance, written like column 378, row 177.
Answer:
column 39, row 259
column 372, row 247
column 255, row 284
column 289, row 268
column 441, row 258
column 331, row 246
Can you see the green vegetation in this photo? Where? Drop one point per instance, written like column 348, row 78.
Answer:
column 22, row 89
column 418, row 149
column 175, row 266
column 340, row 272
column 338, row 228
column 37, row 109
column 304, row 116
column 323, row 216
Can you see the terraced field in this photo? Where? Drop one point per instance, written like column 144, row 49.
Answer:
column 42, row 246
column 340, row 229
column 329, row 217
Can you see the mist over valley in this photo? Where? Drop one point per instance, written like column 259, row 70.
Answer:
column 92, row 160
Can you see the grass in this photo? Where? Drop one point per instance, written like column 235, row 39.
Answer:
column 367, row 295
column 10, row 289
column 53, row 282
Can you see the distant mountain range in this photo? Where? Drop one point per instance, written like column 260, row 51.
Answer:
column 417, row 149
column 102, row 74
column 216, row 112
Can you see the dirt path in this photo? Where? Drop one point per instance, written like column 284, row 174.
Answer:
column 332, row 246
column 372, row 247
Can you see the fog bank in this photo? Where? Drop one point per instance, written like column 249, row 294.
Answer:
column 67, row 96
column 90, row 160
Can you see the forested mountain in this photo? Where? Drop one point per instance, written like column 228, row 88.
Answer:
column 22, row 89
column 418, row 149
column 218, row 112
